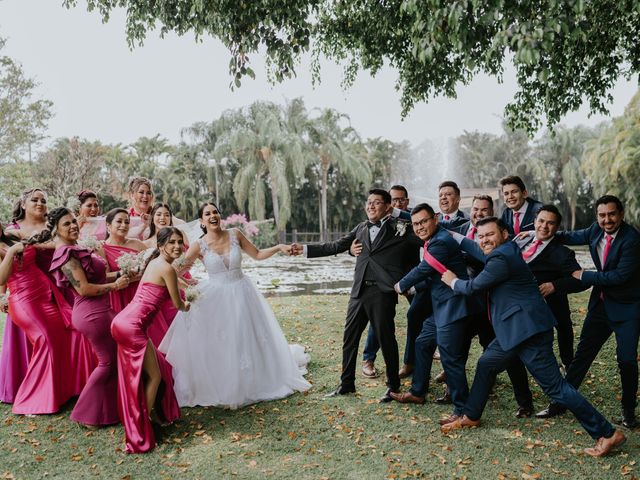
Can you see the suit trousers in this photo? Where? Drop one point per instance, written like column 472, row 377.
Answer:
column 564, row 329
column 536, row 353
column 379, row 309
column 596, row 330
column 480, row 325
column 449, row 339
column 419, row 309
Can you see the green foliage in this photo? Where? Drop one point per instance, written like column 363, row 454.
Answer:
column 267, row 235
column 564, row 52
column 23, row 120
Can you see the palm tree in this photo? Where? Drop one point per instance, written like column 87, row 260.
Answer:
column 336, row 147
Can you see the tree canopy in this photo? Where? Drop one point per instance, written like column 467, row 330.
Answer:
column 564, row 51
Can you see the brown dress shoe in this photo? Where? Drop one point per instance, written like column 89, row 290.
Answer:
column 405, row 371
column 369, row 369
column 604, row 445
column 441, row 377
column 451, row 418
column 460, row 422
column 406, row 397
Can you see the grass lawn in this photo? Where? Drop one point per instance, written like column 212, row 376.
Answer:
column 305, row 436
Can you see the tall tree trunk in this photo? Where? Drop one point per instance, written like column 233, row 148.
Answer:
column 572, row 206
column 323, row 205
column 276, row 211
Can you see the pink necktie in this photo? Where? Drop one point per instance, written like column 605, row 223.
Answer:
column 471, row 234
column 516, row 222
column 532, row 249
column 607, row 247
column 432, row 261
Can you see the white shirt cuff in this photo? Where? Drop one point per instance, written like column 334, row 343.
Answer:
column 453, row 283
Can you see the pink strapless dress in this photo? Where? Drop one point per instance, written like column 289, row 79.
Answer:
column 122, row 298
column 40, row 311
column 129, row 329
column 92, row 317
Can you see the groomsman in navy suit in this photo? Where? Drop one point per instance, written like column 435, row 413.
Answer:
column 614, row 305
column 447, row 326
column 553, row 264
column 520, row 210
column 449, row 203
column 523, row 325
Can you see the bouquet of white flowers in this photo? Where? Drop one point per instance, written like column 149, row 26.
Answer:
column 4, row 299
column 131, row 263
column 191, row 294
column 180, row 263
column 91, row 243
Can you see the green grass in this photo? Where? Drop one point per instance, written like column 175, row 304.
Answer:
column 305, row 436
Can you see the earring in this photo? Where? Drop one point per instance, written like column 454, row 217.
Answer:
column 202, row 225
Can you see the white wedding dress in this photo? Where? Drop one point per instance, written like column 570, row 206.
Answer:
column 229, row 350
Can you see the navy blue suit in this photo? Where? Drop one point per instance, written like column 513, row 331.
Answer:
column 447, row 327
column 523, row 325
column 526, row 222
column 614, row 306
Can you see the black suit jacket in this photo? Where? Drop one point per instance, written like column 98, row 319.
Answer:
column 526, row 222
column 386, row 261
column 555, row 264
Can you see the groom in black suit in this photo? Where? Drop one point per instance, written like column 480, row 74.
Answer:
column 389, row 250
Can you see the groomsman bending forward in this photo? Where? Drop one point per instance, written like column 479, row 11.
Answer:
column 523, row 325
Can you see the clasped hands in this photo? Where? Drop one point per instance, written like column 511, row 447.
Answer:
column 292, row 250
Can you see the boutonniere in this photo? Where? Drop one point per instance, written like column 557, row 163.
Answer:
column 401, row 229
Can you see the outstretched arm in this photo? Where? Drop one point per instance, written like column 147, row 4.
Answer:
column 262, row 253
column 495, row 271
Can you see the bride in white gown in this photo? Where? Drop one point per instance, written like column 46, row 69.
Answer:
column 229, row 350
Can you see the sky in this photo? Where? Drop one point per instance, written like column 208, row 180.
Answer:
column 104, row 91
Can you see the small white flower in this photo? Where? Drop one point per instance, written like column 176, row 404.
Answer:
column 191, row 294
column 90, row 242
column 401, row 229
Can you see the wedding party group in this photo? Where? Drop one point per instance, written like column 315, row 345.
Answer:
column 504, row 279
column 103, row 308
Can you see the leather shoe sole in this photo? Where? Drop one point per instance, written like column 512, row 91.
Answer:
column 451, row 418
column 460, row 422
column 369, row 370
column 387, row 397
column 407, row 397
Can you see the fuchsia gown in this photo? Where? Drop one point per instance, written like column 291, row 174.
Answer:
column 122, row 298
column 129, row 329
column 41, row 312
column 92, row 316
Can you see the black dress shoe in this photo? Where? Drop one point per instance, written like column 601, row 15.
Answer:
column 340, row 391
column 445, row 399
column 629, row 419
column 553, row 410
column 524, row 411
column 386, row 398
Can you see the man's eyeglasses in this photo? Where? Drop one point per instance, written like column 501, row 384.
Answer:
column 375, row 203
column 421, row 222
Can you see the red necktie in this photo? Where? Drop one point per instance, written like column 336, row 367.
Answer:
column 432, row 261
column 607, row 247
column 471, row 234
column 531, row 250
column 446, row 217
column 516, row 222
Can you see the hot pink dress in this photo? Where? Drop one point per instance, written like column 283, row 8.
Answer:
column 92, row 316
column 39, row 310
column 122, row 298
column 129, row 329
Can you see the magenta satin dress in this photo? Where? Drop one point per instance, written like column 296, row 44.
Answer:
column 92, row 316
column 129, row 329
column 40, row 310
column 122, row 298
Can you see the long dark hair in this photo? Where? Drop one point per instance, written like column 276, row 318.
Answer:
column 201, row 211
column 111, row 214
column 18, row 210
column 48, row 233
column 152, row 226
column 164, row 234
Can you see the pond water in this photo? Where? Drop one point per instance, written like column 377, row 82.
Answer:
column 280, row 275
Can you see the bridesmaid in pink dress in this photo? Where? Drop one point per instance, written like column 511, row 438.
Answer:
column 162, row 216
column 116, row 245
column 89, row 219
column 145, row 391
column 84, row 275
column 140, row 198
column 29, row 212
column 41, row 312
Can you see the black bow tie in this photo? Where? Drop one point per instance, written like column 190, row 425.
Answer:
column 374, row 224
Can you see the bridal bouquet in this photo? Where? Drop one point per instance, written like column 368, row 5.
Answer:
column 191, row 294
column 131, row 263
column 4, row 299
column 90, row 242
column 180, row 263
